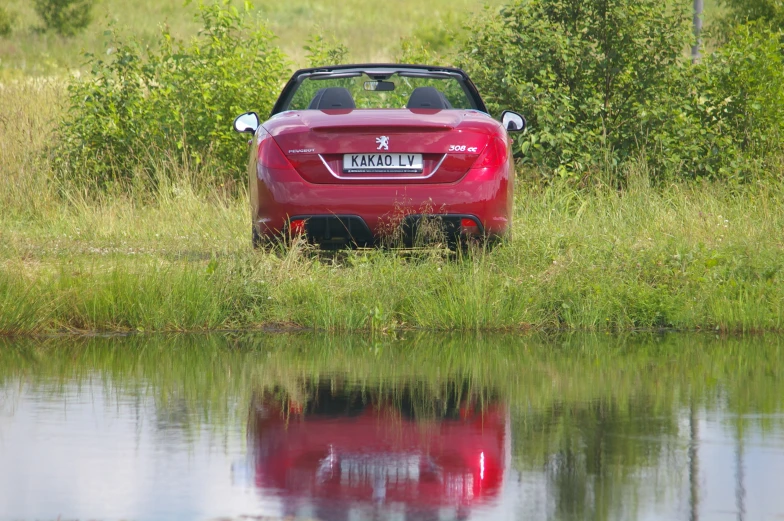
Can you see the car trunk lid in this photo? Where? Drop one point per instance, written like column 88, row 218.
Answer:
column 382, row 146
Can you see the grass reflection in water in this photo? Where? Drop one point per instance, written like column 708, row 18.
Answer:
column 605, row 421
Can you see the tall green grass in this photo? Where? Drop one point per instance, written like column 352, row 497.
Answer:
column 685, row 257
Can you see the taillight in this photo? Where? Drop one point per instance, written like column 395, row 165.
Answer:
column 494, row 154
column 270, row 155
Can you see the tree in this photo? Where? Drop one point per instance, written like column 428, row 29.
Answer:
column 66, row 17
column 770, row 12
column 591, row 75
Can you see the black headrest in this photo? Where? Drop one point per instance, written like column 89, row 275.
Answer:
column 428, row 98
column 332, row 98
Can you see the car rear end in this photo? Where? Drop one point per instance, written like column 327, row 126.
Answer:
column 358, row 177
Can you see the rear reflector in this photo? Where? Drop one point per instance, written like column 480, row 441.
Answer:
column 469, row 227
column 297, row 226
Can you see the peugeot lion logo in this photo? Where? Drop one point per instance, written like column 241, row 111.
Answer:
column 383, row 142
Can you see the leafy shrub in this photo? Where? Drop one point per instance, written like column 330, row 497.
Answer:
column 729, row 120
column 7, row 19
column 177, row 100
column 592, row 77
column 441, row 34
column 415, row 51
column 321, row 51
column 66, row 17
column 738, row 12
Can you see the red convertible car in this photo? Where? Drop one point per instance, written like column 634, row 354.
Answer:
column 355, row 153
column 341, row 455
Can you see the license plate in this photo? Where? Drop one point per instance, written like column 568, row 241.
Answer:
column 382, row 163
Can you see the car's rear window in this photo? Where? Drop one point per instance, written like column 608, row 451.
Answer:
column 396, row 92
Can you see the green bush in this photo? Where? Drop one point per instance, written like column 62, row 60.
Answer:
column 441, row 34
column 176, row 101
column 66, row 17
column 592, row 77
column 738, row 12
column 605, row 83
column 7, row 19
column 321, row 51
column 412, row 50
column 729, row 120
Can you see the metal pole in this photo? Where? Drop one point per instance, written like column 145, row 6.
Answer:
column 740, row 474
column 694, row 464
column 695, row 50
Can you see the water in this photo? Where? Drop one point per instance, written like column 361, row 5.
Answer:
column 420, row 427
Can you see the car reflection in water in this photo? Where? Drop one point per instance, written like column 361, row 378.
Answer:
column 344, row 453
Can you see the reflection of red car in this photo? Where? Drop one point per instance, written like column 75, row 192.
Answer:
column 374, row 455
column 352, row 152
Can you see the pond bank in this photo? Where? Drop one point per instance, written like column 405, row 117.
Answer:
column 685, row 257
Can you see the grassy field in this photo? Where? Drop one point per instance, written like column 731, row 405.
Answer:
column 686, row 256
column 371, row 30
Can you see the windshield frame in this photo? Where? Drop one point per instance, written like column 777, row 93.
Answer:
column 379, row 71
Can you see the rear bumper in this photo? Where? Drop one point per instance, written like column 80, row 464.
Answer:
column 351, row 229
column 370, row 212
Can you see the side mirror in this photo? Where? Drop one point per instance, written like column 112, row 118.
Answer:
column 512, row 121
column 247, row 122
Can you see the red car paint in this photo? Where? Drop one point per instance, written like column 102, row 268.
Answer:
column 296, row 167
column 379, row 457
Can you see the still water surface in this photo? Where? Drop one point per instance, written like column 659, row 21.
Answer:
column 421, row 427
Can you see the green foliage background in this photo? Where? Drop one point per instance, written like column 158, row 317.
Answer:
column 604, row 84
column 725, row 120
column 175, row 101
column 609, row 82
column 739, row 12
column 7, row 19
column 592, row 77
column 66, row 17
